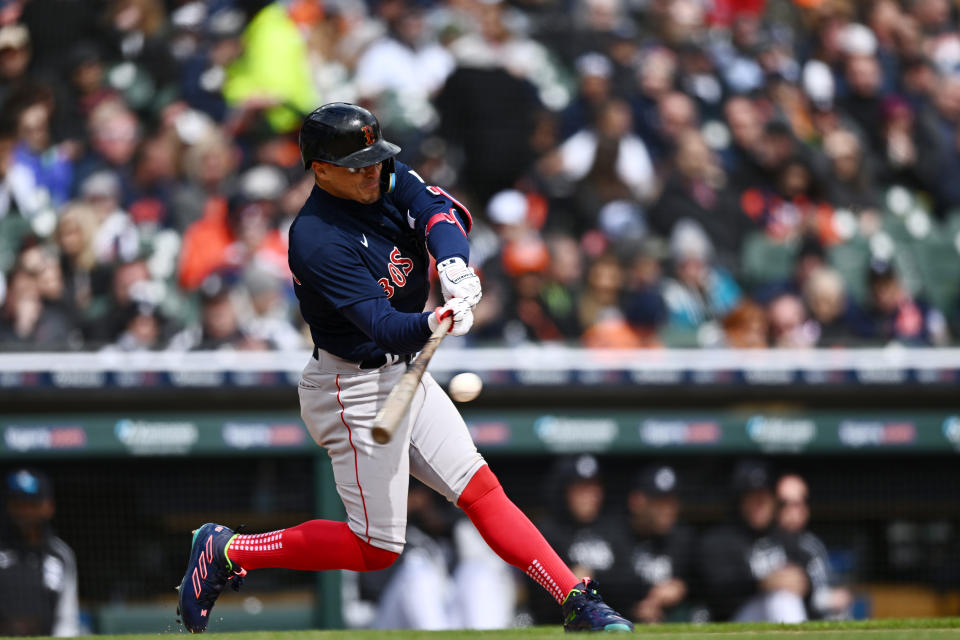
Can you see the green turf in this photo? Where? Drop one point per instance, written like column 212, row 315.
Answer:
column 913, row 629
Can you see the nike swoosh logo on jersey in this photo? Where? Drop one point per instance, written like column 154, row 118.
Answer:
column 411, row 220
column 363, row 240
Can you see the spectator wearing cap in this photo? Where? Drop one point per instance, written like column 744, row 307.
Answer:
column 699, row 293
column 203, row 73
column 38, row 575
column 131, row 287
column 643, row 304
column 143, row 328
column 529, row 314
column 658, row 561
column 585, row 539
column 892, row 315
column 267, row 316
column 116, row 238
column 220, row 326
column 15, row 56
column 746, row 572
column 825, row 599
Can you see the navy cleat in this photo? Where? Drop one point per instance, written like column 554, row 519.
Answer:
column 585, row 610
column 208, row 572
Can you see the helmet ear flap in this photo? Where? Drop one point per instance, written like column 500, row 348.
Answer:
column 388, row 176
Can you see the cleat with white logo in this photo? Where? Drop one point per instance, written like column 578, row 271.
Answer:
column 208, row 571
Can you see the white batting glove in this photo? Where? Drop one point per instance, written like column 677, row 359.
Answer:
column 457, row 280
column 462, row 316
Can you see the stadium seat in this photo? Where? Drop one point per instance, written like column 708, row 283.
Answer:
column 852, row 260
column 765, row 261
column 938, row 264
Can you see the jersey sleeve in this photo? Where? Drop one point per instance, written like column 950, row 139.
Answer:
column 66, row 615
column 437, row 217
column 393, row 331
column 344, row 281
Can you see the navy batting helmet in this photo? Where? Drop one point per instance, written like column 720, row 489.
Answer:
column 343, row 134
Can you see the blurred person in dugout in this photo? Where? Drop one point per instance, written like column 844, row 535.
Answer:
column 657, row 560
column 444, row 556
column 577, row 527
column 38, row 571
column 806, row 550
column 746, row 571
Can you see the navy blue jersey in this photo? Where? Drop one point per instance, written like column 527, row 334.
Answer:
column 360, row 270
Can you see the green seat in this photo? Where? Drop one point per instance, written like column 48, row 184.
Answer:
column 13, row 228
column 852, row 260
column 938, row 264
column 765, row 261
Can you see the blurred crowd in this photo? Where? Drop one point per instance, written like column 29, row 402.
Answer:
column 757, row 562
column 643, row 173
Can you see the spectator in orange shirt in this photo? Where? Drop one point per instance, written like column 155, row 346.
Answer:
column 244, row 233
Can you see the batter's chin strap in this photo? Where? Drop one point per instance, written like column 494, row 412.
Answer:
column 388, row 176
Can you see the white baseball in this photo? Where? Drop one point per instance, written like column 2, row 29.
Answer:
column 464, row 387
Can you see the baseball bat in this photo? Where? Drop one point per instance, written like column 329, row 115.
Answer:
column 397, row 403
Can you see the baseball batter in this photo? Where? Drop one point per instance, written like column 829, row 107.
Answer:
column 359, row 257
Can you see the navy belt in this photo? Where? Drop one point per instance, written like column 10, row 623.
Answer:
column 371, row 363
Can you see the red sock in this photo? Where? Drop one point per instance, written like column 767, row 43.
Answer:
column 315, row 545
column 511, row 534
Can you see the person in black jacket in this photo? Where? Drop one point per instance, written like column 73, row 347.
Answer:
column 659, row 555
column 38, row 571
column 586, row 540
column 824, row 600
column 746, row 571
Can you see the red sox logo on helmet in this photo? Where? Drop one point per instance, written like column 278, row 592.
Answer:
column 369, row 137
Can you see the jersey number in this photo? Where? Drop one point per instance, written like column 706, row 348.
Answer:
column 398, row 268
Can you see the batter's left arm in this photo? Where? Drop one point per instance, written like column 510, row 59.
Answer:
column 438, row 218
column 444, row 224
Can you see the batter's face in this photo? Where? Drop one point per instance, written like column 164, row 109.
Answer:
column 361, row 185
